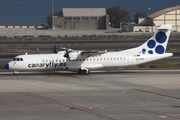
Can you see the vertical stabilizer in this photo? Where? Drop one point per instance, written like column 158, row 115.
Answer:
column 156, row 44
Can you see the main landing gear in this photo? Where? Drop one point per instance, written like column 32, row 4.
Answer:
column 84, row 71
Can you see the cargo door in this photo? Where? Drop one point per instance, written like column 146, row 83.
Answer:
column 130, row 59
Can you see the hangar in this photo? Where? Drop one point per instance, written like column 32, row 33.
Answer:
column 82, row 19
column 166, row 16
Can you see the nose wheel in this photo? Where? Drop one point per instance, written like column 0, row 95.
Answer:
column 15, row 72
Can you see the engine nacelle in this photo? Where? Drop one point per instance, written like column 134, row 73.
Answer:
column 73, row 55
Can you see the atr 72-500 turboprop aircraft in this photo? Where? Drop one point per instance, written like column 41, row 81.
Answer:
column 83, row 61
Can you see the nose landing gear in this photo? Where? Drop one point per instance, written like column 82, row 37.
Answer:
column 15, row 72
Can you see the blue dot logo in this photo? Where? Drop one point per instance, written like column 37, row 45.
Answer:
column 161, row 37
column 159, row 49
column 151, row 43
column 143, row 50
column 155, row 44
column 150, row 52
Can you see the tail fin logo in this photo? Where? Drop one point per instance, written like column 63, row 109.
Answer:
column 161, row 37
column 156, row 44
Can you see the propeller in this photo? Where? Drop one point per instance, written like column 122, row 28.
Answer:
column 55, row 49
column 66, row 53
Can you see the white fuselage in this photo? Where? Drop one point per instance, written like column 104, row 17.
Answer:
column 84, row 61
column 59, row 62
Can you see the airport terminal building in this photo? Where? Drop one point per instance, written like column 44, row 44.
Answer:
column 82, row 19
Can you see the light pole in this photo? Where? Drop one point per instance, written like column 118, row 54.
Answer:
column 53, row 14
column 141, row 6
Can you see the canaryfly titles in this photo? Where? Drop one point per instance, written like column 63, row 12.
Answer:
column 47, row 65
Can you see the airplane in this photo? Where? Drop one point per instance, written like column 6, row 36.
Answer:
column 84, row 61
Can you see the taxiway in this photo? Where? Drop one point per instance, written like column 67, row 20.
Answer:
column 101, row 95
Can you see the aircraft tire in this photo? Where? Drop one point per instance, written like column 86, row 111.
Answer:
column 85, row 72
column 15, row 72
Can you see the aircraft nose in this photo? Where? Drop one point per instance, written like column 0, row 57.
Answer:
column 6, row 66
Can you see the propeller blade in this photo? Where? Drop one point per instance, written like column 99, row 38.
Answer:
column 66, row 53
column 54, row 49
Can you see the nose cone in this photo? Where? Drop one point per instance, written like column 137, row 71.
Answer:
column 6, row 66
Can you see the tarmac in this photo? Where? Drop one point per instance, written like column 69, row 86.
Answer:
column 102, row 95
column 11, row 32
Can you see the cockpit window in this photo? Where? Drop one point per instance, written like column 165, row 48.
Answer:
column 17, row 59
column 14, row 59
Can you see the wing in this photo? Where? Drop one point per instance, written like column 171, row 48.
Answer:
column 75, row 54
column 86, row 54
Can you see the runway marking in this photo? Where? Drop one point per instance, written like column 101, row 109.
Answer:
column 157, row 94
column 160, row 115
column 71, row 105
column 164, row 115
